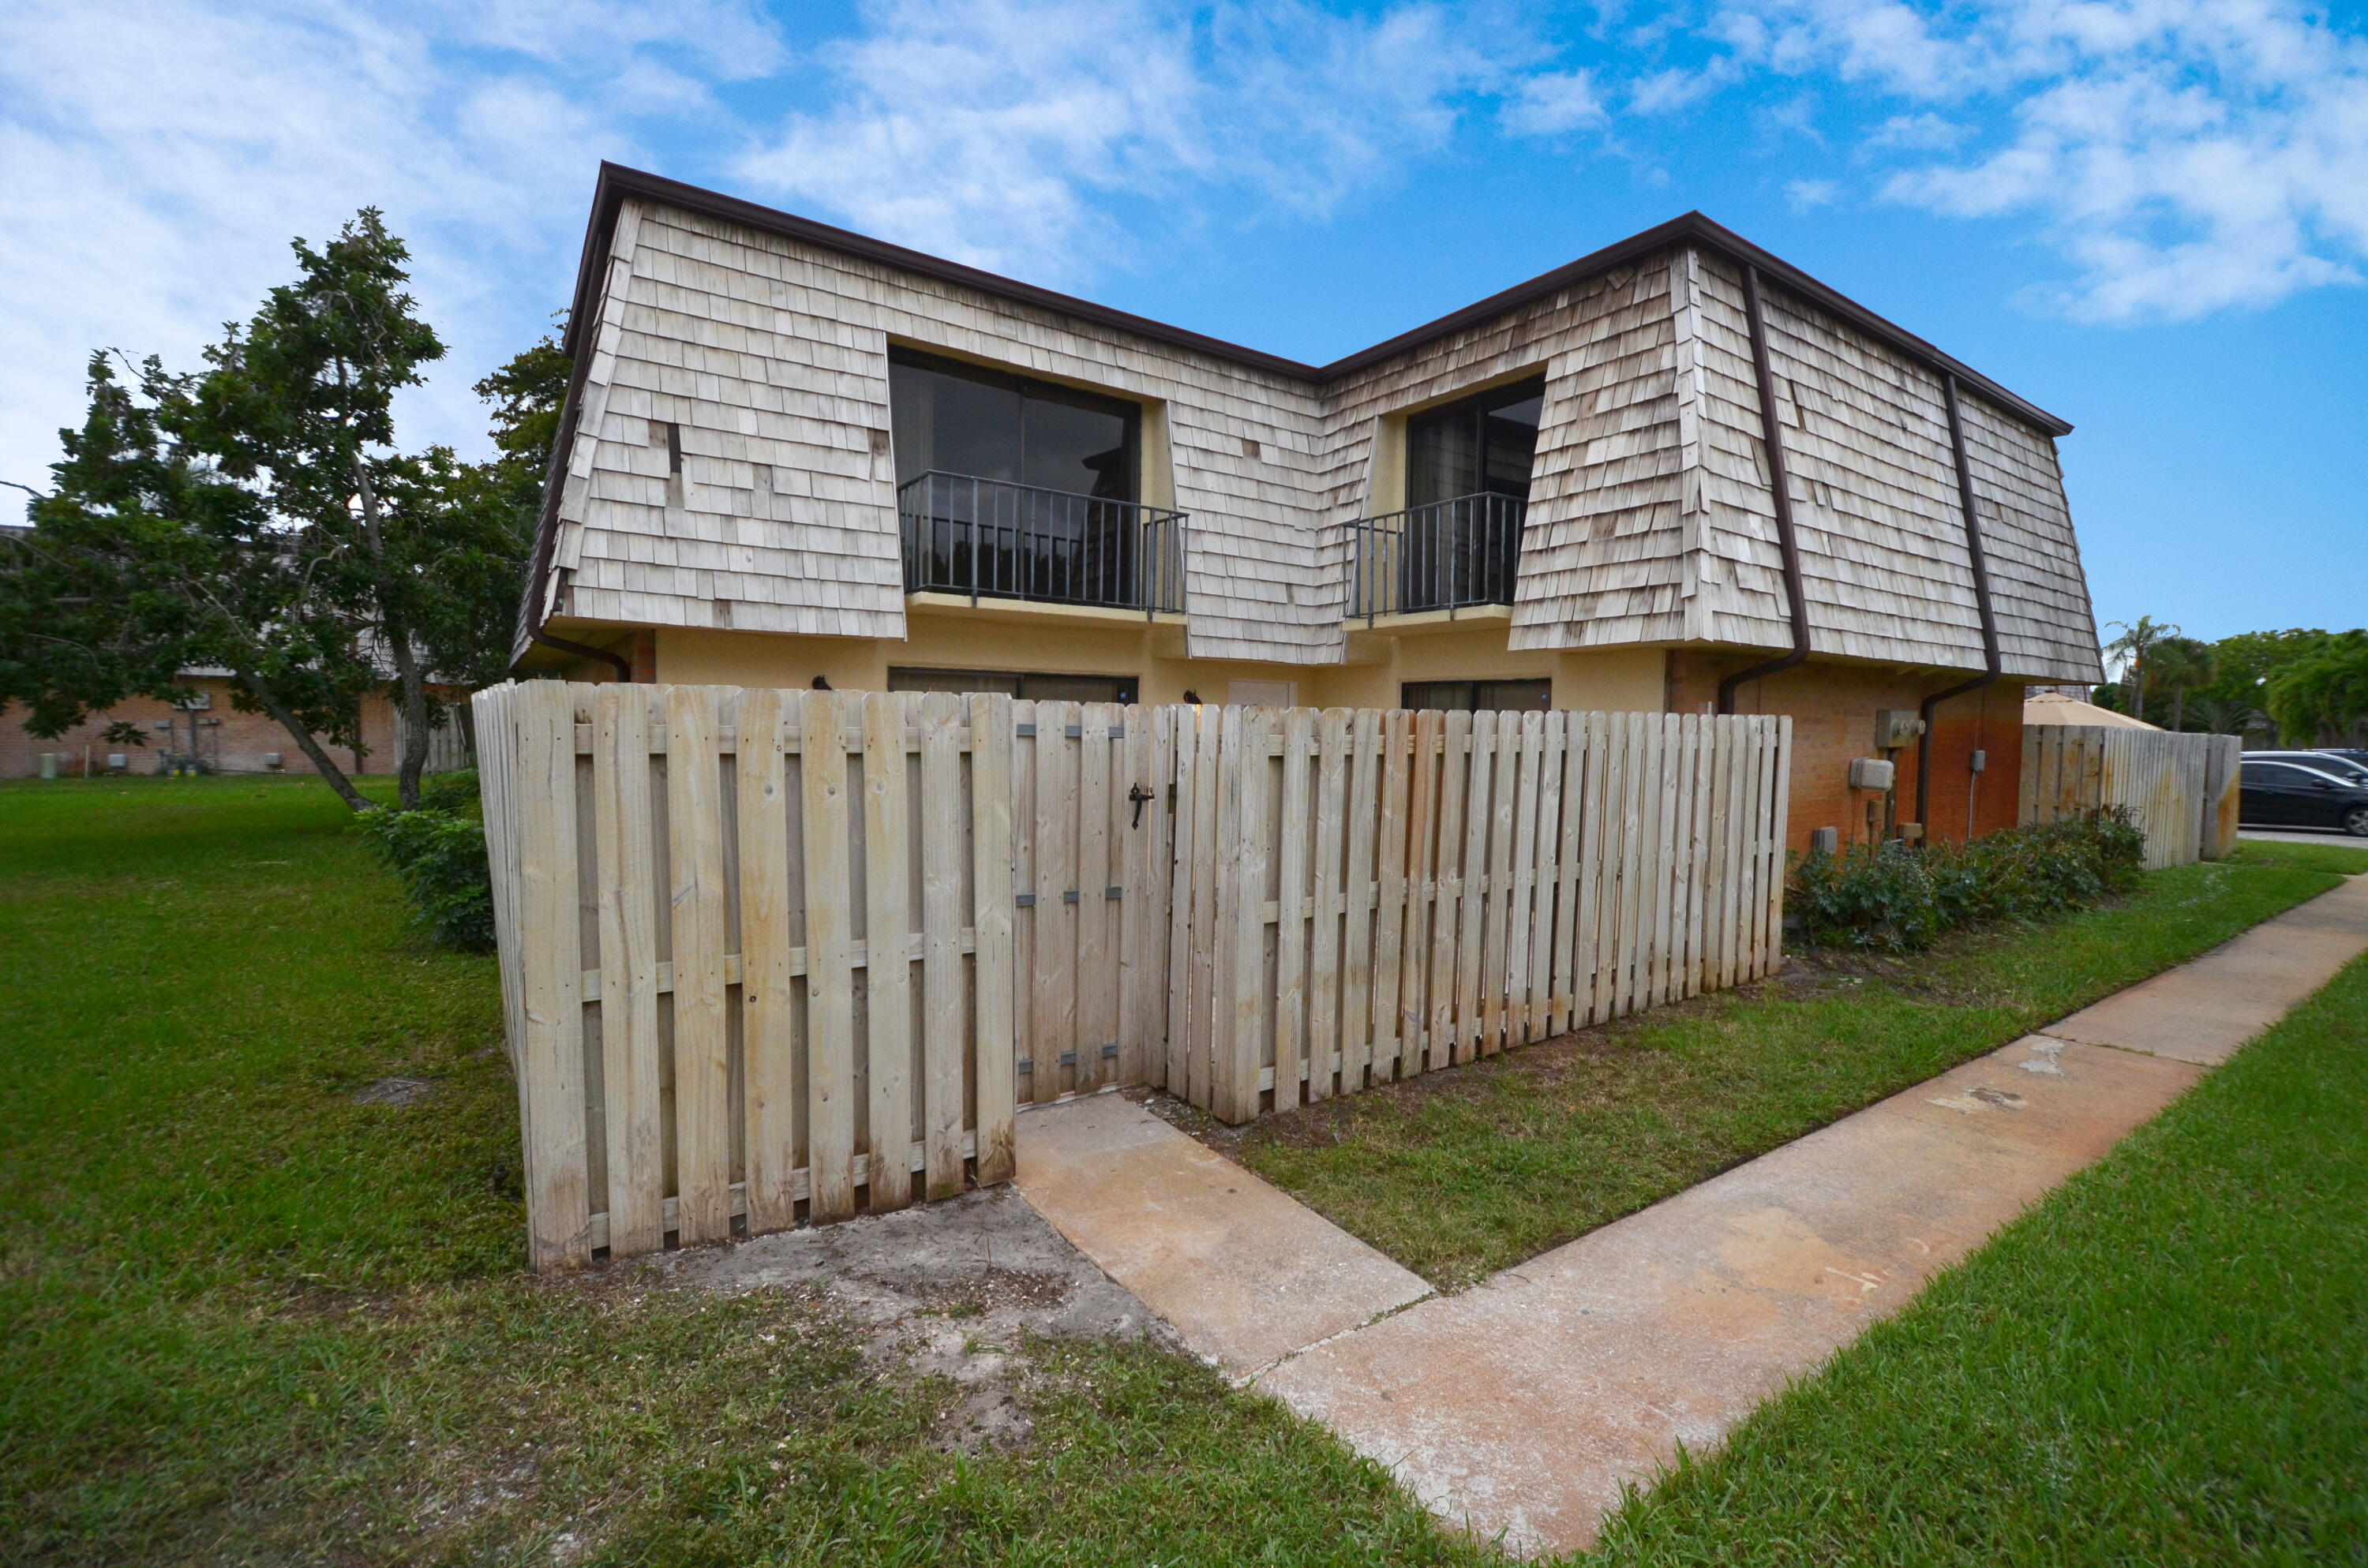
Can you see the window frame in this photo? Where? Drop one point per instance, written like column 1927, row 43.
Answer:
column 1128, row 411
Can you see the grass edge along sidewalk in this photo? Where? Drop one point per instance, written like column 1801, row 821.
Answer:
column 1459, row 1174
column 2166, row 1360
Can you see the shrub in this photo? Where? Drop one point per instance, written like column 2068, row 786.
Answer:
column 440, row 853
column 451, row 792
column 1899, row 900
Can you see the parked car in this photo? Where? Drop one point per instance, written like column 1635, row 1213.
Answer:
column 2277, row 793
column 2335, row 762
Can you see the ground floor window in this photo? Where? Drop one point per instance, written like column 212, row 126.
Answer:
column 1476, row 696
column 1020, row 684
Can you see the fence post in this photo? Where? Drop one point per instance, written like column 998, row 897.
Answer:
column 550, row 1051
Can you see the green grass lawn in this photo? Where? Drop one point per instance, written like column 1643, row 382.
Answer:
column 2164, row 1361
column 245, row 1319
column 1459, row 1174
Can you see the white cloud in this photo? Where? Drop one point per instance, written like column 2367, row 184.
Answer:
column 989, row 129
column 1806, row 194
column 1552, row 103
column 1914, row 132
column 159, row 160
column 2185, row 156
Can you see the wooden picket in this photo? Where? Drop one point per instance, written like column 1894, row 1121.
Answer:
column 756, row 953
column 771, row 956
column 2179, row 787
column 1373, row 895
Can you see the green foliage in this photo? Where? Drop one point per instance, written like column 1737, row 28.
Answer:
column 2325, row 691
column 1898, row 900
column 455, row 792
column 439, row 851
column 2179, row 665
column 258, row 516
column 472, row 626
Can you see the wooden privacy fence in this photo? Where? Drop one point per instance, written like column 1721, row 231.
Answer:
column 2180, row 789
column 760, row 949
column 756, row 951
column 1361, row 896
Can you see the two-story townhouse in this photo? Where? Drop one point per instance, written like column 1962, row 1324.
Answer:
column 1675, row 475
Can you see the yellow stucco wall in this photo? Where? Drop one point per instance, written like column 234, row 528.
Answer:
column 1616, row 680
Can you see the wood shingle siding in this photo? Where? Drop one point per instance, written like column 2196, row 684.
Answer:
column 758, row 350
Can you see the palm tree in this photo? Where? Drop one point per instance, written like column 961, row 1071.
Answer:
column 2181, row 664
column 2230, row 716
column 2134, row 644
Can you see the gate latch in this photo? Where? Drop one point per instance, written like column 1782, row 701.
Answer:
column 1138, row 794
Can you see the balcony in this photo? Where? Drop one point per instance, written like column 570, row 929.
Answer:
column 990, row 539
column 1447, row 555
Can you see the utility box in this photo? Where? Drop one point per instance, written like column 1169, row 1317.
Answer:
column 1895, row 728
column 1872, row 773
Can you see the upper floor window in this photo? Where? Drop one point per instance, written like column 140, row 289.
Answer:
column 1481, row 445
column 959, row 418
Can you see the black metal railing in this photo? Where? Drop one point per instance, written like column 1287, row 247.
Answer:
column 990, row 539
column 1444, row 555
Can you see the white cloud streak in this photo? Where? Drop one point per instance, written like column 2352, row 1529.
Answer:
column 2186, row 156
column 157, row 161
column 990, row 129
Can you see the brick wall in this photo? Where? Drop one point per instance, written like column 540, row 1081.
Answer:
column 1833, row 709
column 234, row 741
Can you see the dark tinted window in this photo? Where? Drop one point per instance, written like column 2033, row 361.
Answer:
column 1013, row 682
column 1483, row 443
column 1476, row 696
column 2278, row 773
column 958, row 418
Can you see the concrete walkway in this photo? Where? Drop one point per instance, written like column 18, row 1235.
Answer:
column 1245, row 1273
column 1519, row 1408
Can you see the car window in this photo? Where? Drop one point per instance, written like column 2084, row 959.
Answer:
column 2276, row 773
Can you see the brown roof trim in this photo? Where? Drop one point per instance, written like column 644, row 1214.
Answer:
column 616, row 182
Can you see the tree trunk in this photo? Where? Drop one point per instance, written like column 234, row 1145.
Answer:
column 409, row 678
column 312, row 748
column 2177, row 708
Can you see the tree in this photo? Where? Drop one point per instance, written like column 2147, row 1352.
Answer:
column 2323, row 693
column 257, row 517
column 2230, row 716
column 147, row 560
column 2134, row 644
column 2248, row 662
column 2182, row 665
column 495, row 507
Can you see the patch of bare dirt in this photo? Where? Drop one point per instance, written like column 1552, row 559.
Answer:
column 955, row 1289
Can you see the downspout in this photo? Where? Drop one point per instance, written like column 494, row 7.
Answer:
column 1779, row 487
column 1981, row 600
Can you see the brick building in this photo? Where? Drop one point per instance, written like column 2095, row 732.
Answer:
column 1678, row 475
column 224, row 739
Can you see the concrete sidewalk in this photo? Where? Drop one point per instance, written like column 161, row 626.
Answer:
column 1520, row 1407
column 1247, row 1274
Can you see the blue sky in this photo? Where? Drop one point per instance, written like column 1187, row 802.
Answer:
column 2148, row 216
